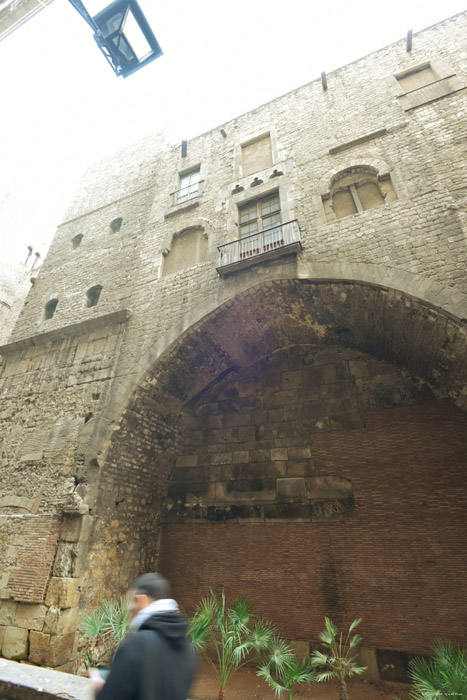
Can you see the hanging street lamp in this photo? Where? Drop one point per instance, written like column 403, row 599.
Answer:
column 123, row 34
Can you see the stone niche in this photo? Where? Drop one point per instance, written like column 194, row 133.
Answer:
column 189, row 248
column 248, row 441
column 256, row 155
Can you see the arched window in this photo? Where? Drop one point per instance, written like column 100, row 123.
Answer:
column 93, row 294
column 116, row 225
column 49, row 309
column 355, row 190
column 76, row 240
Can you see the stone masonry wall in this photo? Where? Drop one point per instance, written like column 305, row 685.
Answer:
column 248, row 447
column 93, row 399
column 50, row 396
column 422, row 232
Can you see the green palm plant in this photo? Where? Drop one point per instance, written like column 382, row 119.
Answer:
column 339, row 660
column 282, row 669
column 227, row 635
column 104, row 628
column 442, row 676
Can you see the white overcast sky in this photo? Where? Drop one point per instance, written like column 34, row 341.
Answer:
column 63, row 108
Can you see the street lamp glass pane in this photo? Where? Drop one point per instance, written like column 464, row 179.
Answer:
column 124, row 47
column 135, row 37
column 112, row 25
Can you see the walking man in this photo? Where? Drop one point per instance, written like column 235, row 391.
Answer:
column 156, row 661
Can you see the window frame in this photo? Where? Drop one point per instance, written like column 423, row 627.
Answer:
column 260, row 216
column 195, row 184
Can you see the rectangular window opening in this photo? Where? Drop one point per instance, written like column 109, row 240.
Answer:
column 188, row 186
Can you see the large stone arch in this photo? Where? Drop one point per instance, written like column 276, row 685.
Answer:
column 415, row 336
column 435, row 299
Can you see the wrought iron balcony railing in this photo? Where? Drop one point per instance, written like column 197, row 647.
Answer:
column 271, row 243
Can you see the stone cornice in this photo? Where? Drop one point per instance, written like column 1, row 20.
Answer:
column 105, row 320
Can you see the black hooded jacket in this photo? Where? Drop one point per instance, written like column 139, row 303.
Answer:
column 154, row 663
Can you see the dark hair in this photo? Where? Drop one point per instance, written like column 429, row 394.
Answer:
column 154, row 586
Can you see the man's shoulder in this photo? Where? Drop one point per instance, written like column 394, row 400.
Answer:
column 141, row 639
column 134, row 643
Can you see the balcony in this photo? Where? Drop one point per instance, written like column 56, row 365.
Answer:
column 274, row 242
column 184, row 199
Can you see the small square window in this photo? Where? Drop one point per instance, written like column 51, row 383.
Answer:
column 426, row 83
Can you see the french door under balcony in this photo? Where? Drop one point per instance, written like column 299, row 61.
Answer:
column 261, row 215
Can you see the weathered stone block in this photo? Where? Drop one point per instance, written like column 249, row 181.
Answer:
column 240, row 457
column 291, row 489
column 260, row 455
column 284, row 397
column 222, row 458
column 292, row 411
column 15, row 644
column 352, row 421
column 300, row 467
column 7, row 611
column 275, row 415
column 367, row 657
column 330, row 510
column 59, row 621
column 69, row 559
column 328, row 487
column 76, row 529
column 312, row 410
column 275, row 469
column 359, row 368
column 299, row 452
column 32, row 457
column 50, row 650
column 291, row 380
column 30, row 616
column 288, row 429
column 63, row 592
column 187, row 461
column 279, row 454
column 313, row 378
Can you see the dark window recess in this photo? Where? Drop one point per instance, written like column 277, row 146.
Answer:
column 393, row 666
column 116, row 225
column 93, row 294
column 76, row 241
column 49, row 309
